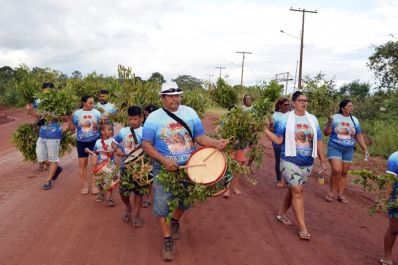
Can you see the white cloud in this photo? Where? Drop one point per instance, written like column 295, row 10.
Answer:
column 192, row 37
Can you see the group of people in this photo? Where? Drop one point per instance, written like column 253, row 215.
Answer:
column 295, row 134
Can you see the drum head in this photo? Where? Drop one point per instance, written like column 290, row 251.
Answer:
column 134, row 155
column 214, row 168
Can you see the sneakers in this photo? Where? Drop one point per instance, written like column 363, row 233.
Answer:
column 47, row 185
column 100, row 197
column 175, row 229
column 57, row 172
column 168, row 249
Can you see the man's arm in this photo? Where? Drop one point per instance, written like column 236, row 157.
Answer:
column 205, row 140
column 169, row 164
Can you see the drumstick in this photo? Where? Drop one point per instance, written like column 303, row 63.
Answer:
column 194, row 165
column 212, row 153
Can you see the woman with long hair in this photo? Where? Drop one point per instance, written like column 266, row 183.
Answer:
column 297, row 159
column 282, row 105
column 85, row 120
column 344, row 130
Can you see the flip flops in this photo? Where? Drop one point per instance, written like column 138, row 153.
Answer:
column 126, row 216
column 385, row 262
column 342, row 199
column 329, row 198
column 304, row 235
column 84, row 191
column 137, row 223
column 283, row 219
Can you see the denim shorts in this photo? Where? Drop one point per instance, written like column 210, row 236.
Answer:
column 47, row 150
column 160, row 196
column 342, row 153
column 293, row 174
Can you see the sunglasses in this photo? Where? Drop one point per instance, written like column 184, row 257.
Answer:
column 172, row 90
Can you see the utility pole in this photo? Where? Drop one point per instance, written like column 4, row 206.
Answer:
column 210, row 77
column 243, row 64
column 302, row 42
column 281, row 77
column 220, row 67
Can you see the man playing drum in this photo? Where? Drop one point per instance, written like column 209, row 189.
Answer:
column 170, row 144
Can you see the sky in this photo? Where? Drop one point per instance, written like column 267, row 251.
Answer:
column 176, row 37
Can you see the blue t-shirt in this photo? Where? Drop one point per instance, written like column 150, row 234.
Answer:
column 344, row 130
column 52, row 130
column 125, row 139
column 169, row 137
column 304, row 136
column 108, row 108
column 392, row 168
column 104, row 150
column 86, row 123
column 276, row 118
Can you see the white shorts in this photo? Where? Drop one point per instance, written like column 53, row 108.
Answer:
column 47, row 150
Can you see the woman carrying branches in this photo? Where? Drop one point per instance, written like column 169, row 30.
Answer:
column 343, row 129
column 301, row 138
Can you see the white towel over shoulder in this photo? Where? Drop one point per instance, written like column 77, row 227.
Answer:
column 290, row 141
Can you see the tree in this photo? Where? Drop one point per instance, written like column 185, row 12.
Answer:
column 224, row 94
column 187, row 82
column 356, row 89
column 77, row 75
column 384, row 64
column 157, row 77
column 322, row 95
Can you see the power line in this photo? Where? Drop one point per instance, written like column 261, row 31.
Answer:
column 220, row 67
column 302, row 41
column 243, row 63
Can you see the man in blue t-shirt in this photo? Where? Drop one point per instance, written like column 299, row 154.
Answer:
column 392, row 230
column 106, row 108
column 170, row 145
column 48, row 144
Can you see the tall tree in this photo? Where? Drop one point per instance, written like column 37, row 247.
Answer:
column 157, row 77
column 384, row 64
column 188, row 82
column 356, row 89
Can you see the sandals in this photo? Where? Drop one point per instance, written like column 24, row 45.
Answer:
column 280, row 185
column 385, row 262
column 237, row 192
column 126, row 216
column 146, row 204
column 329, row 198
column 137, row 223
column 342, row 199
column 283, row 219
column 95, row 191
column 110, row 203
column 100, row 197
column 84, row 191
column 304, row 235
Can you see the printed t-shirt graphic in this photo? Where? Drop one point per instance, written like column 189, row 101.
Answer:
column 125, row 139
column 104, row 150
column 86, row 124
column 344, row 131
column 304, row 137
column 276, row 118
column 169, row 137
column 392, row 168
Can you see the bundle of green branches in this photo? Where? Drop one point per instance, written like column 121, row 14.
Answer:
column 243, row 129
column 57, row 103
column 26, row 136
column 376, row 185
column 184, row 191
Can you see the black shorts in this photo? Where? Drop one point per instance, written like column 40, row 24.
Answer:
column 80, row 146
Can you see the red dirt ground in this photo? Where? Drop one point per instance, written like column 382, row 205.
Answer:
column 62, row 226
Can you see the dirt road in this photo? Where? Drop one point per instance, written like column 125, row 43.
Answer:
column 62, row 226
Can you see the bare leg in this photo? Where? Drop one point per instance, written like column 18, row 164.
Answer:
column 336, row 165
column 287, row 202
column 298, row 206
column 127, row 210
column 83, row 161
column 342, row 180
column 165, row 228
column 389, row 238
column 137, row 206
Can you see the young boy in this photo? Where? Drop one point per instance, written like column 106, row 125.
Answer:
column 128, row 142
column 105, row 151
